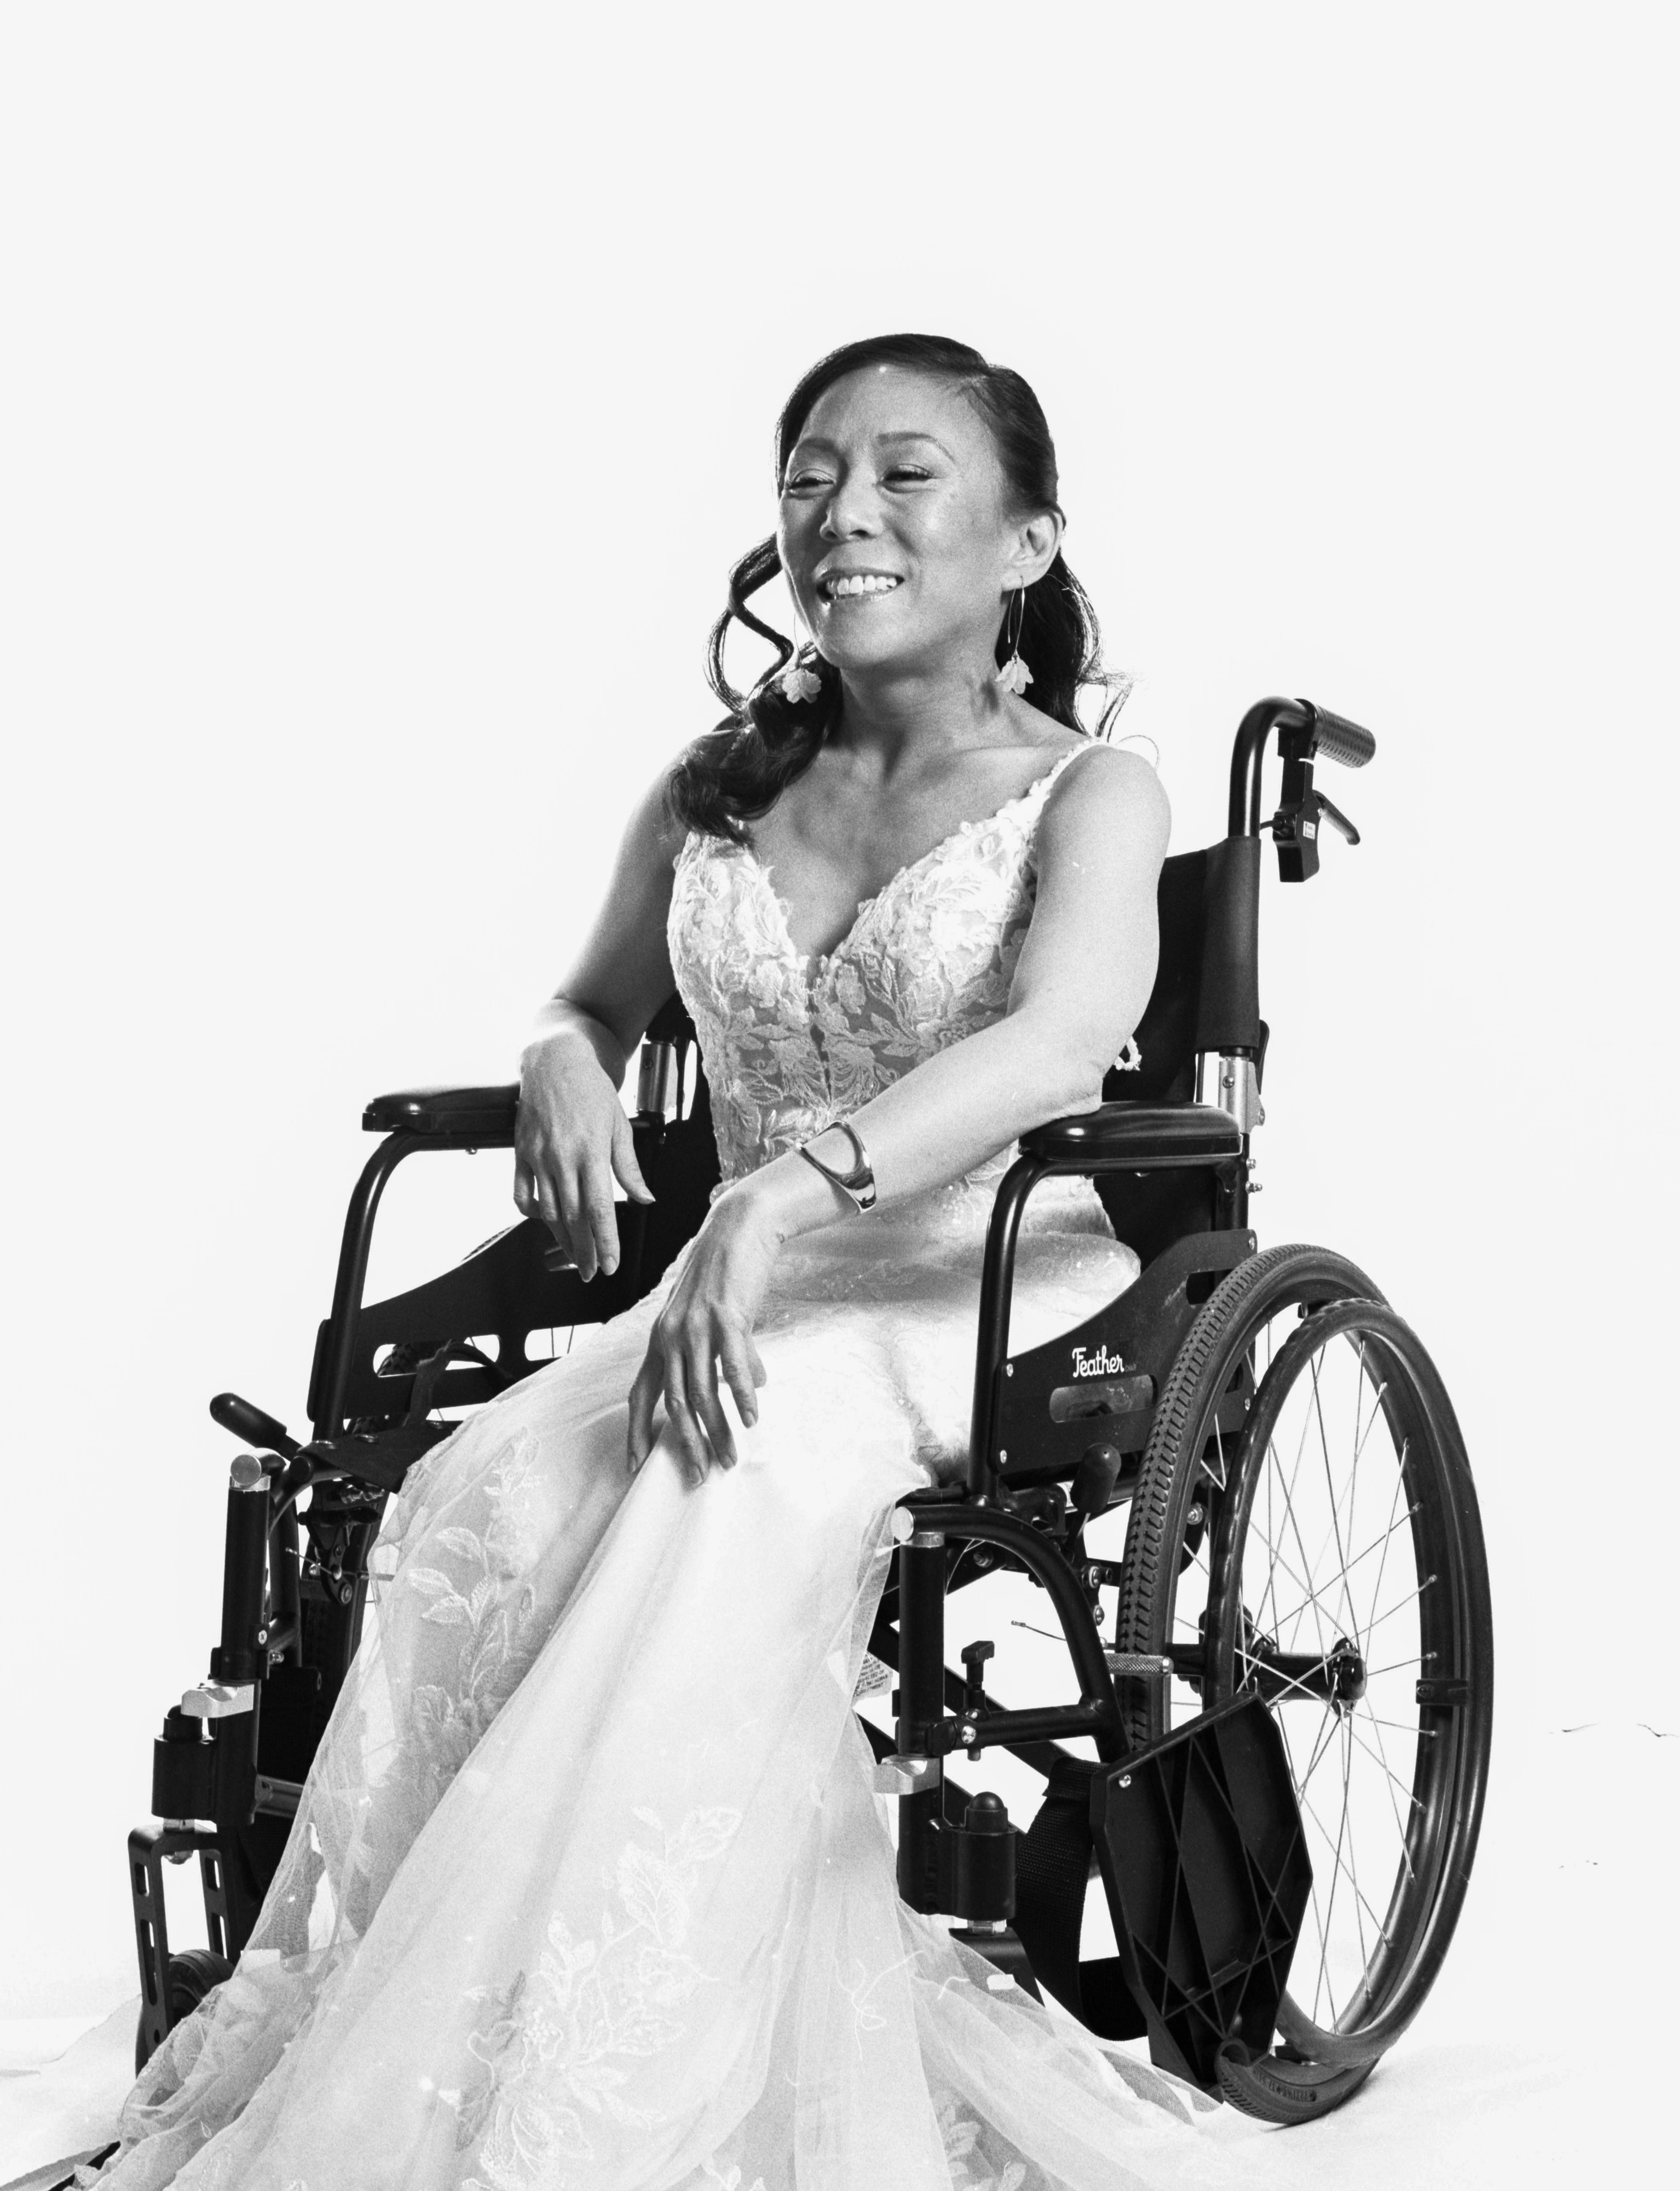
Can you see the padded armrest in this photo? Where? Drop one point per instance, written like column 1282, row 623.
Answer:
column 454, row 1112
column 1119, row 1134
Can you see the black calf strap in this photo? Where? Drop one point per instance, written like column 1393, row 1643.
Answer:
column 1052, row 1868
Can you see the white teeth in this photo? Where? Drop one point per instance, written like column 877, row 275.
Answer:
column 865, row 581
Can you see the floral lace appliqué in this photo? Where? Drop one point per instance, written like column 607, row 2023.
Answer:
column 553, row 2045
column 475, row 1582
column 961, row 2135
column 791, row 1043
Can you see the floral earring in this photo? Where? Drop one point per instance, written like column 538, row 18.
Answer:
column 1014, row 676
column 798, row 684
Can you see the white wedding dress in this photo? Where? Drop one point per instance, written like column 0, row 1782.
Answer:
column 588, row 1888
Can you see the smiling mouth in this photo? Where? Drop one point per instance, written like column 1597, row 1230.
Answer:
column 861, row 585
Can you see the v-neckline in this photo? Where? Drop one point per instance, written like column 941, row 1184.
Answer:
column 814, row 962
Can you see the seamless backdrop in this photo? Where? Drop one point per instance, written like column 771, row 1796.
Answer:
column 383, row 396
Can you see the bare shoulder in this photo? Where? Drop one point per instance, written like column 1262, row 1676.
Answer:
column 653, row 835
column 1112, row 794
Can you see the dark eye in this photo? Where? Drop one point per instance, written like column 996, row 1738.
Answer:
column 799, row 482
column 911, row 472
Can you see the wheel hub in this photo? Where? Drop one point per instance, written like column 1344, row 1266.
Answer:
column 1345, row 1670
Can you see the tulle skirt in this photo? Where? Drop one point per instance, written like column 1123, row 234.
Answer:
column 587, row 1886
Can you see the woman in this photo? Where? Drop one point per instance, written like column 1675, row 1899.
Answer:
column 587, row 1885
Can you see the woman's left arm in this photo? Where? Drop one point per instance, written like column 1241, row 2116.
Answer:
column 1085, row 970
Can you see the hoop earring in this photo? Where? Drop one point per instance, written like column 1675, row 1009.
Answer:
column 1014, row 676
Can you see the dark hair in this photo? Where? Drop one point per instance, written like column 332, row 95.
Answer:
column 727, row 779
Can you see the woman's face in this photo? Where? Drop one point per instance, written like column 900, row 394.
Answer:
column 895, row 529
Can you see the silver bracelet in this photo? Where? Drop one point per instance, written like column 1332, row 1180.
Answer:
column 858, row 1185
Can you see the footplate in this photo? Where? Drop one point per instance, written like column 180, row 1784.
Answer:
column 1200, row 1842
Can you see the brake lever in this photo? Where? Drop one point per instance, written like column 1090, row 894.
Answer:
column 1294, row 826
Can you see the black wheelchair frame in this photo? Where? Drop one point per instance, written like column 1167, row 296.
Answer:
column 1169, row 1400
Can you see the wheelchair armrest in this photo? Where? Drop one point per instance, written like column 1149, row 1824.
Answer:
column 448, row 1113
column 1117, row 1134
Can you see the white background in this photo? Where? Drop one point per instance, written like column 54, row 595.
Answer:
column 384, row 395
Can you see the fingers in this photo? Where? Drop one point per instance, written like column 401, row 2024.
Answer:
column 704, row 1394
column 681, row 1368
column 743, row 1372
column 566, row 1179
column 639, row 1435
column 685, row 1435
column 577, row 1207
column 624, row 1162
column 596, row 1219
column 551, row 1209
column 524, row 1189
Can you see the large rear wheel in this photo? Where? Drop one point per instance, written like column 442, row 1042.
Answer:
column 1305, row 1526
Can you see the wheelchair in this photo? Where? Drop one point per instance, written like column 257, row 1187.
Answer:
column 1286, row 1680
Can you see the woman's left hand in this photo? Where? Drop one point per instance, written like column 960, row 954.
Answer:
column 707, row 1318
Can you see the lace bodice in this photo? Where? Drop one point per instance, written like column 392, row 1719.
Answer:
column 792, row 1040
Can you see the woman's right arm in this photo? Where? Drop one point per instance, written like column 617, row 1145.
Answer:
column 572, row 1134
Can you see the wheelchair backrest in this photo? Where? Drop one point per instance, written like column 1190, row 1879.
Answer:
column 1206, row 995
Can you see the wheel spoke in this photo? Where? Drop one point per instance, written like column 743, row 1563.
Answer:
column 1348, row 1565
column 1301, row 1581
column 1392, row 1781
column 1344, row 1872
column 1329, row 1484
column 1393, row 1524
column 1274, row 1469
column 1347, row 1820
column 1330, row 1908
column 1224, row 1476
column 1314, row 1596
column 1411, row 1597
column 1321, row 1744
column 1410, row 1794
column 1318, row 1914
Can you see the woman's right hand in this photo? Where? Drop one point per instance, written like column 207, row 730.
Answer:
column 571, row 1137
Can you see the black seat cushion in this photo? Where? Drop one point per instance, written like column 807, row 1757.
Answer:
column 456, row 1111
column 1118, row 1133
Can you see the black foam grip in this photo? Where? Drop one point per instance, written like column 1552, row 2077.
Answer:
column 252, row 1425
column 1227, row 1015
column 1338, row 739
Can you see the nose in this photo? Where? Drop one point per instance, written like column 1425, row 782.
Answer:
column 851, row 514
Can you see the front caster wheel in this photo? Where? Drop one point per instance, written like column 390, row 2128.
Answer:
column 194, row 1975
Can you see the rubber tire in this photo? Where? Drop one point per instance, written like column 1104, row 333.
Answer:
column 1321, row 2070
column 193, row 1976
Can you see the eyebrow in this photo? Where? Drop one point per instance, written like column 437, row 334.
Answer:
column 907, row 434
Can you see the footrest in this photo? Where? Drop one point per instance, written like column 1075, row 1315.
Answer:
column 1202, row 1850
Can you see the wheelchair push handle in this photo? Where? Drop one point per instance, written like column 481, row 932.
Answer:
column 1305, row 732
column 1338, row 739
